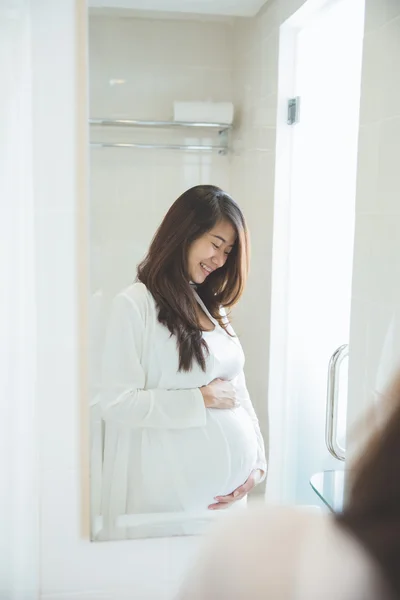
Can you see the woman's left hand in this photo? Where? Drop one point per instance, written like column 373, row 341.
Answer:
column 239, row 493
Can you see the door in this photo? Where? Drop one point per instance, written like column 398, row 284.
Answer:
column 322, row 153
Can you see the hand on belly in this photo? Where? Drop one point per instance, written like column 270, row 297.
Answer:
column 224, row 502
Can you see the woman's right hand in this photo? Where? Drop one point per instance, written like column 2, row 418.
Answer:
column 219, row 394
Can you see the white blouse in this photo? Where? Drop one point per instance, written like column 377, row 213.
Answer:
column 164, row 451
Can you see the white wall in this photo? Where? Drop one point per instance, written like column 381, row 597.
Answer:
column 375, row 317
column 159, row 61
column 19, row 498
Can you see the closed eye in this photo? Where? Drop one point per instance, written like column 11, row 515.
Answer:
column 218, row 248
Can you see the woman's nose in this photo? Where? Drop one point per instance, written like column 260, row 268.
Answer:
column 219, row 259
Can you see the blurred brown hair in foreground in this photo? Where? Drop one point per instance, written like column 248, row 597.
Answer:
column 372, row 510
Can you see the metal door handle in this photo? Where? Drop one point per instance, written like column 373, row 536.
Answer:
column 331, row 402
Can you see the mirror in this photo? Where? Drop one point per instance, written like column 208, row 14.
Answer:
column 163, row 85
column 179, row 101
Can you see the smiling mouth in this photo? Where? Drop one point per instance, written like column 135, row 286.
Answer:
column 206, row 269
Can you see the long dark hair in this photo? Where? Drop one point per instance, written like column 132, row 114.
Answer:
column 372, row 511
column 164, row 271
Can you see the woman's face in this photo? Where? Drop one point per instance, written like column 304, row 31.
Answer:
column 210, row 251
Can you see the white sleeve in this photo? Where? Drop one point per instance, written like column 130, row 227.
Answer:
column 124, row 399
column 245, row 402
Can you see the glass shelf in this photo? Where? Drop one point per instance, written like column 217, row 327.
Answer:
column 330, row 488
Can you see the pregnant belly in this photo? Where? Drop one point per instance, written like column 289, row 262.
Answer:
column 198, row 464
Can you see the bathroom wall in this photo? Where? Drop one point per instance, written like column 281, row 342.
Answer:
column 375, row 317
column 72, row 567
column 138, row 67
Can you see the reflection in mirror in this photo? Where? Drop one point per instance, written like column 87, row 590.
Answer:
column 174, row 434
column 181, row 434
column 191, row 141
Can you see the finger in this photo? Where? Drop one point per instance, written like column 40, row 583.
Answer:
column 237, row 495
column 228, row 498
column 227, row 504
column 240, row 491
column 219, row 506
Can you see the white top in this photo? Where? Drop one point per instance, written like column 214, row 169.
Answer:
column 164, row 451
column 282, row 554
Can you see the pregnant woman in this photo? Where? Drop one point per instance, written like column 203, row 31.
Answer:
column 181, row 434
